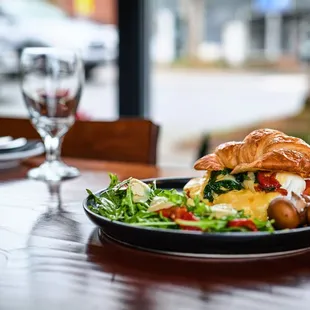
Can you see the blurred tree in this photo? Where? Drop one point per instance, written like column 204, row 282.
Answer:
column 194, row 14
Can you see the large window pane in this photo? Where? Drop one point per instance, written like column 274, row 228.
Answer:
column 88, row 25
column 222, row 68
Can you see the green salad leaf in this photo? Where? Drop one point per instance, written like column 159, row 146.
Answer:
column 117, row 203
column 179, row 199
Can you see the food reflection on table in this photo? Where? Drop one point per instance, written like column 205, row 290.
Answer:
column 109, row 255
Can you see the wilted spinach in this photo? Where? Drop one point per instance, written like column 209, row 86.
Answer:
column 223, row 186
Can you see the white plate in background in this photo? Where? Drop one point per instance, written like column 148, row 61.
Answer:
column 9, row 144
column 12, row 158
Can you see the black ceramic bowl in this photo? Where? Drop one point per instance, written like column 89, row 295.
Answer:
column 195, row 243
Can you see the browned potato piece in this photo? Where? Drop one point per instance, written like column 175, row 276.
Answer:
column 307, row 213
column 284, row 213
column 300, row 205
column 306, row 198
column 307, row 208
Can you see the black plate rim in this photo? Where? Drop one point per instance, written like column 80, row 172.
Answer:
column 242, row 235
column 209, row 256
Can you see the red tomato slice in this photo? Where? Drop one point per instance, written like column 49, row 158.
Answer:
column 307, row 190
column 247, row 223
column 269, row 183
column 180, row 213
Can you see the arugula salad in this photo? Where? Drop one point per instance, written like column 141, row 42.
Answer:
column 137, row 203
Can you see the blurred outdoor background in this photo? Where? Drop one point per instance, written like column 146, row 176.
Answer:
column 220, row 68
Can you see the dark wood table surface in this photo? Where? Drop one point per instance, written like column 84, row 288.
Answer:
column 51, row 258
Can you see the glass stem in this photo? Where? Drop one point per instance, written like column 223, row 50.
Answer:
column 52, row 148
column 55, row 197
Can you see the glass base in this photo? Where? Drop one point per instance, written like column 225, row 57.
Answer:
column 53, row 171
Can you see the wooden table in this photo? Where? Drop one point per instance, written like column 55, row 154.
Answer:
column 51, row 257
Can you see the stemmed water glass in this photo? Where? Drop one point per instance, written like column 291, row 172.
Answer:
column 52, row 80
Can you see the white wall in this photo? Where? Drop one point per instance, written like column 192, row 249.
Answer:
column 163, row 43
column 235, row 42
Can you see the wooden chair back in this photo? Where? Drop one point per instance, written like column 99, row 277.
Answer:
column 127, row 140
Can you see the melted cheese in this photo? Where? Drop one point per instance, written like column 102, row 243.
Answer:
column 253, row 204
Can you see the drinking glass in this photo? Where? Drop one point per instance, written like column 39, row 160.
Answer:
column 52, row 80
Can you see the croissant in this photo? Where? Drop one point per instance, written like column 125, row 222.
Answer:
column 262, row 149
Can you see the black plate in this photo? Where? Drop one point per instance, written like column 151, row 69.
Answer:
column 195, row 243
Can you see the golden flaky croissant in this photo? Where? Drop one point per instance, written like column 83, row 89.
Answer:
column 262, row 149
